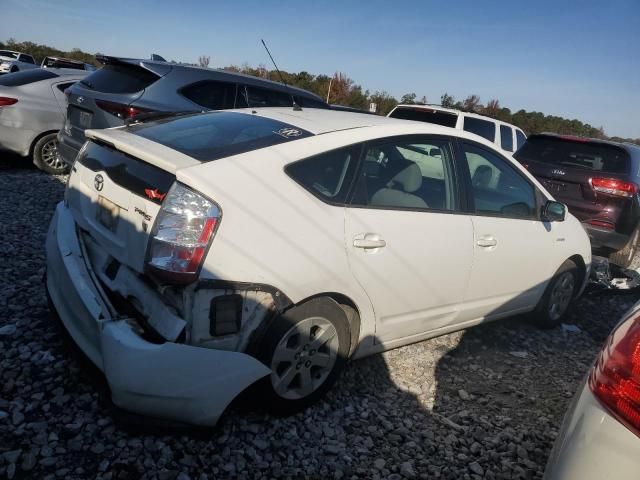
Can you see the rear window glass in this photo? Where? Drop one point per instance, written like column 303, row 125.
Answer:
column 120, row 79
column 61, row 63
column 262, row 97
column 5, row 53
column 577, row 154
column 214, row 135
column 506, row 138
column 211, row 94
column 25, row 77
column 436, row 117
column 480, row 127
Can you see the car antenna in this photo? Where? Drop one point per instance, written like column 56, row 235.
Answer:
column 296, row 107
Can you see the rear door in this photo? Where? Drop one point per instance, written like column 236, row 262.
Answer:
column 567, row 167
column 409, row 245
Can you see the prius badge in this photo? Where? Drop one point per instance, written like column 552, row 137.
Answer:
column 557, row 171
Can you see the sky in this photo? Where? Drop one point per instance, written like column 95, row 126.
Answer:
column 576, row 59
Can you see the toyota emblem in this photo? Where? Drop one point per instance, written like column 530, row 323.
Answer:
column 80, row 99
column 98, row 182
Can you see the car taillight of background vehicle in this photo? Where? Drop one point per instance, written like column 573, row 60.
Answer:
column 615, row 379
column 120, row 110
column 6, row 101
column 613, row 186
column 182, row 232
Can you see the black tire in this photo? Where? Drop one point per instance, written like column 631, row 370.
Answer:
column 543, row 315
column 623, row 258
column 14, row 69
column 280, row 327
column 46, row 156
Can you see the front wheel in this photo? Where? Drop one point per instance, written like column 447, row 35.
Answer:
column 554, row 304
column 46, row 156
column 306, row 349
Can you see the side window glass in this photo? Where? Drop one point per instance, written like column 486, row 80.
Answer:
column 211, row 94
column 409, row 174
column 241, row 97
column 63, row 86
column 262, row 97
column 520, row 139
column 506, row 138
column 27, row 59
column 498, row 188
column 480, row 127
column 328, row 175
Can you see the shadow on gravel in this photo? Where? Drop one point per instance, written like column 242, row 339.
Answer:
column 12, row 161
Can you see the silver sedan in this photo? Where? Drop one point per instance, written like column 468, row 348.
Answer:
column 32, row 111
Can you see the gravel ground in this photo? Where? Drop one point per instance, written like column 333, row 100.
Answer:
column 484, row 403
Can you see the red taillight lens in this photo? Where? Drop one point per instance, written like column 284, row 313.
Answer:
column 120, row 110
column 601, row 223
column 613, row 186
column 615, row 378
column 6, row 101
column 183, row 230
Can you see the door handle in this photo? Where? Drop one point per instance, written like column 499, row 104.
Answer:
column 368, row 242
column 486, row 242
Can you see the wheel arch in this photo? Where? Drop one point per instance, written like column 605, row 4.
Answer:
column 582, row 270
column 351, row 311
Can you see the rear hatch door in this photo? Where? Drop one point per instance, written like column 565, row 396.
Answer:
column 116, row 188
column 566, row 166
column 101, row 100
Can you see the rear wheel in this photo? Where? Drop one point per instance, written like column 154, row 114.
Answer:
column 554, row 304
column 46, row 156
column 306, row 348
column 623, row 258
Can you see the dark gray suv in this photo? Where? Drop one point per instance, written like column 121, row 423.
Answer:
column 126, row 88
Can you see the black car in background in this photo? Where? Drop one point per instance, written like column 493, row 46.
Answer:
column 598, row 180
column 126, row 88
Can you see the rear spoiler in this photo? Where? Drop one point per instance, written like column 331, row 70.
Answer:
column 160, row 69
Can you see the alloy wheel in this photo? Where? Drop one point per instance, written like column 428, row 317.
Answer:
column 561, row 295
column 50, row 156
column 304, row 358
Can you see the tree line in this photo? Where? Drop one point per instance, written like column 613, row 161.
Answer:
column 342, row 90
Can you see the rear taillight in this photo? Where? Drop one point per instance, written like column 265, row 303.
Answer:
column 615, row 379
column 6, row 101
column 182, row 232
column 120, row 110
column 613, row 186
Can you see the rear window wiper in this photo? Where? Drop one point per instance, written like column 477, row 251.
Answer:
column 143, row 117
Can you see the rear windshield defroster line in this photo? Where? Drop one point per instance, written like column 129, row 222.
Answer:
column 214, row 135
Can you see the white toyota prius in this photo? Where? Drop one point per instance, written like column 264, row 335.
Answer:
column 198, row 255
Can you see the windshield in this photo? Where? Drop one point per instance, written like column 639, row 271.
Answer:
column 6, row 53
column 209, row 136
column 585, row 154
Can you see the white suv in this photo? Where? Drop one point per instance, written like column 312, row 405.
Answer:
column 196, row 255
column 505, row 136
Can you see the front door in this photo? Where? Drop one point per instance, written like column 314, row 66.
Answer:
column 511, row 264
column 408, row 244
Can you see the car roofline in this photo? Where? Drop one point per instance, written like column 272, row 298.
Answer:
column 105, row 59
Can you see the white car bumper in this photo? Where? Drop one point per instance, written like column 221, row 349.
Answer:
column 168, row 380
column 593, row 445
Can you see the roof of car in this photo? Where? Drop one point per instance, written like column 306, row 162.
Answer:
column 229, row 73
column 626, row 145
column 319, row 121
column 454, row 111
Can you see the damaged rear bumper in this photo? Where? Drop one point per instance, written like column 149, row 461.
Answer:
column 169, row 380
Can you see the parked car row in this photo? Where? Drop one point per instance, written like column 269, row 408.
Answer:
column 244, row 225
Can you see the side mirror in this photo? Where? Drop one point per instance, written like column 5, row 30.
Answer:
column 554, row 211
